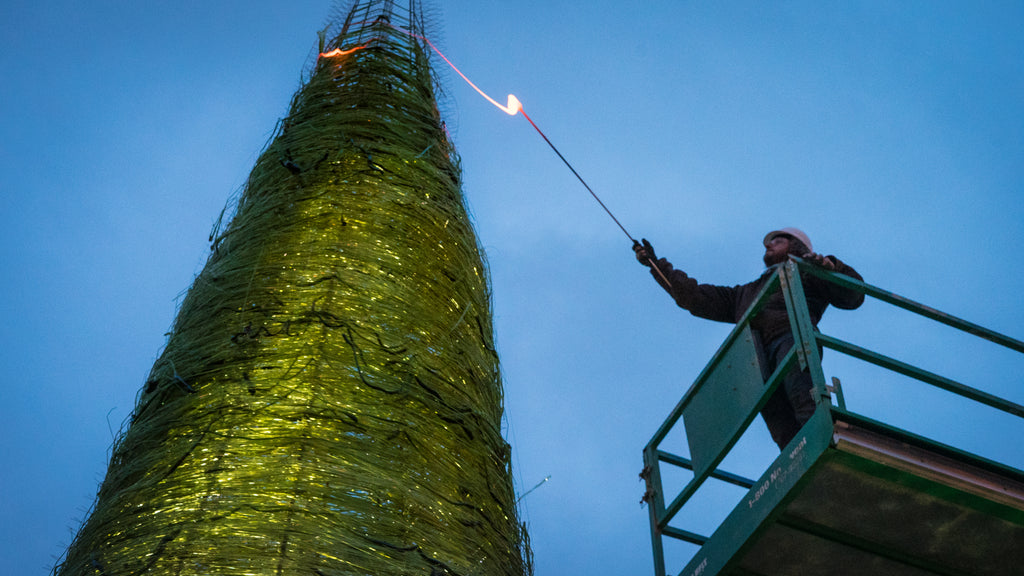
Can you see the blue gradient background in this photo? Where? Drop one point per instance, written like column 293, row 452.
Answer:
column 893, row 133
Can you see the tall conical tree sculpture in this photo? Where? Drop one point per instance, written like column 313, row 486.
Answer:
column 328, row 401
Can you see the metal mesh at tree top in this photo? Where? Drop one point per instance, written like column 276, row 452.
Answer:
column 328, row 401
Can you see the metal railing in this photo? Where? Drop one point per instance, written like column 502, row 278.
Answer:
column 731, row 390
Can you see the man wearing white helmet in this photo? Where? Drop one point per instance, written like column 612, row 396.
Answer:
column 792, row 404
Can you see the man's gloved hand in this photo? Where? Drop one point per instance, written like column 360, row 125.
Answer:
column 644, row 253
column 819, row 260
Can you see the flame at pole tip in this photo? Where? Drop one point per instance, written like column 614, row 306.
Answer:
column 513, row 106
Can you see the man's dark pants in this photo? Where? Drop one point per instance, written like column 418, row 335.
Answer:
column 791, row 405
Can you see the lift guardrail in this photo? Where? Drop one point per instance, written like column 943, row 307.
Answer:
column 731, row 390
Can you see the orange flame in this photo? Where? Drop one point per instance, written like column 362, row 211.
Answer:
column 340, row 52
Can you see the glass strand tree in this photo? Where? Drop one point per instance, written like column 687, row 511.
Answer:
column 329, row 399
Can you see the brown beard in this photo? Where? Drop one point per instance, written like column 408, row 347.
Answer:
column 796, row 248
column 773, row 259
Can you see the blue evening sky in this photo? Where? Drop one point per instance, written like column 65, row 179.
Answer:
column 892, row 133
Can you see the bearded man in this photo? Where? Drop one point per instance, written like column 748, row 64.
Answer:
column 792, row 403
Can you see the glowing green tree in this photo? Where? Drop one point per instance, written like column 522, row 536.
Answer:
column 329, row 399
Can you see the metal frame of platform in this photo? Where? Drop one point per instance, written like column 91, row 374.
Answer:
column 849, row 495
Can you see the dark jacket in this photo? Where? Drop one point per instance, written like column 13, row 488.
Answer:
column 725, row 304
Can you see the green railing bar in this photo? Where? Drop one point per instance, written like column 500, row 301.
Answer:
column 774, row 381
column 661, row 515
column 656, row 503
column 716, row 474
column 912, row 306
column 691, row 537
column 677, row 503
column 922, row 375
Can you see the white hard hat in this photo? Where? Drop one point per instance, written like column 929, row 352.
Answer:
column 794, row 232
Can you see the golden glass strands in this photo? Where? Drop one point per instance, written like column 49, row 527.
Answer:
column 329, row 399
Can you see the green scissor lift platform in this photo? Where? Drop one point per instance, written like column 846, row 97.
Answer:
column 849, row 495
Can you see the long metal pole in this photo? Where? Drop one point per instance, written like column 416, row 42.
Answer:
column 653, row 264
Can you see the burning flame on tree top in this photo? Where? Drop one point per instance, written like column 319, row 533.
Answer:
column 340, row 52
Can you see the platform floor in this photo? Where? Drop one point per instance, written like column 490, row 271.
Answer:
column 875, row 505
